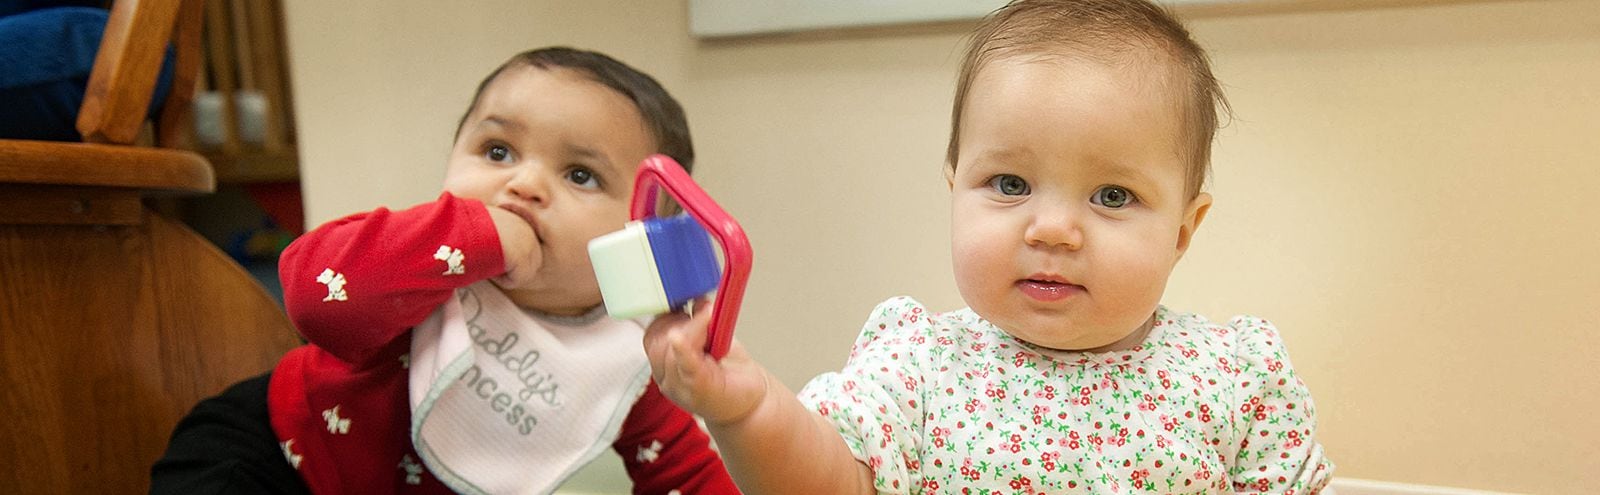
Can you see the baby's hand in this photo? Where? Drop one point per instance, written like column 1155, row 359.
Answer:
column 721, row 392
column 520, row 246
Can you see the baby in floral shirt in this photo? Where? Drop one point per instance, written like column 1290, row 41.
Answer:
column 1080, row 143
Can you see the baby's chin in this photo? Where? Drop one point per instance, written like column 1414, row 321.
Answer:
column 552, row 304
column 1085, row 340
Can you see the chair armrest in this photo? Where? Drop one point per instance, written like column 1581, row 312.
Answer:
column 100, row 165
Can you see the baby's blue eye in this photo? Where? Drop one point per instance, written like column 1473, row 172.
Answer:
column 497, row 153
column 1113, row 197
column 584, row 178
column 1009, row 185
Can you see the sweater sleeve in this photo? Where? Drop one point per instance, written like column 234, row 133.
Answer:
column 355, row 284
column 877, row 402
column 1274, row 419
column 665, row 451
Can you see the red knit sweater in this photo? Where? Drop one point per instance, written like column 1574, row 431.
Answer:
column 355, row 287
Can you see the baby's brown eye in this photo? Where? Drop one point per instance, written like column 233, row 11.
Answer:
column 1113, row 197
column 583, row 177
column 497, row 153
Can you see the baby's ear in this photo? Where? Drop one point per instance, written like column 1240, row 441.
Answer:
column 1192, row 217
column 950, row 176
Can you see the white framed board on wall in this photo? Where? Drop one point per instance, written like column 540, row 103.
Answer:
column 720, row 18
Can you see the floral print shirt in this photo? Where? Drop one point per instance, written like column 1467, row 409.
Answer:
column 949, row 403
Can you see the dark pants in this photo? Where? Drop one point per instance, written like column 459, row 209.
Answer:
column 226, row 445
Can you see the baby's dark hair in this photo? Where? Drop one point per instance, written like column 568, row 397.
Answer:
column 661, row 112
column 1112, row 31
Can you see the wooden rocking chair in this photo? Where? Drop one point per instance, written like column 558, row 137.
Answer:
column 115, row 320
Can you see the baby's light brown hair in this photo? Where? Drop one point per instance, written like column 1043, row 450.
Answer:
column 1109, row 31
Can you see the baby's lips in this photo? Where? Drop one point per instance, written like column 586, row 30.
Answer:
column 526, row 215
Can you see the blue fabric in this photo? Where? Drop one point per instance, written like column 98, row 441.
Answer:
column 9, row 7
column 44, row 69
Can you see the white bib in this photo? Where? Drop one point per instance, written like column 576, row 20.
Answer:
column 503, row 402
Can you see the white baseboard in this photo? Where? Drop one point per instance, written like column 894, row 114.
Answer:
column 1352, row 486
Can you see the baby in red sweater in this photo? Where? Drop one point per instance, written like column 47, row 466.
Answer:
column 461, row 344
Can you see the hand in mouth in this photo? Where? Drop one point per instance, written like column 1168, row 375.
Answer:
column 527, row 216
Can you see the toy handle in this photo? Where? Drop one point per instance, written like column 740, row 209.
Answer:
column 660, row 171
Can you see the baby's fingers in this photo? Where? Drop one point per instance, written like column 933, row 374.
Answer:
column 673, row 343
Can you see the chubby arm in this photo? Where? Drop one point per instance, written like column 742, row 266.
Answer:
column 771, row 443
column 355, row 284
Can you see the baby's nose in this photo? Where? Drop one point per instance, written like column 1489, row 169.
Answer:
column 529, row 184
column 1052, row 227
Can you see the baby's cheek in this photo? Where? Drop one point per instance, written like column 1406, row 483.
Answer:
column 978, row 276
column 1135, row 283
column 968, row 263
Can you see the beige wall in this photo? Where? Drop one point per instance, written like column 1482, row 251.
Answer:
column 1409, row 193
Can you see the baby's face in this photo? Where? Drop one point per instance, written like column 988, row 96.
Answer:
column 1068, row 204
column 561, row 150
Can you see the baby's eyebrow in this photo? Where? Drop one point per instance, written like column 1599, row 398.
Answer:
column 506, row 124
column 1131, row 173
column 590, row 153
column 1134, row 174
column 1007, row 155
